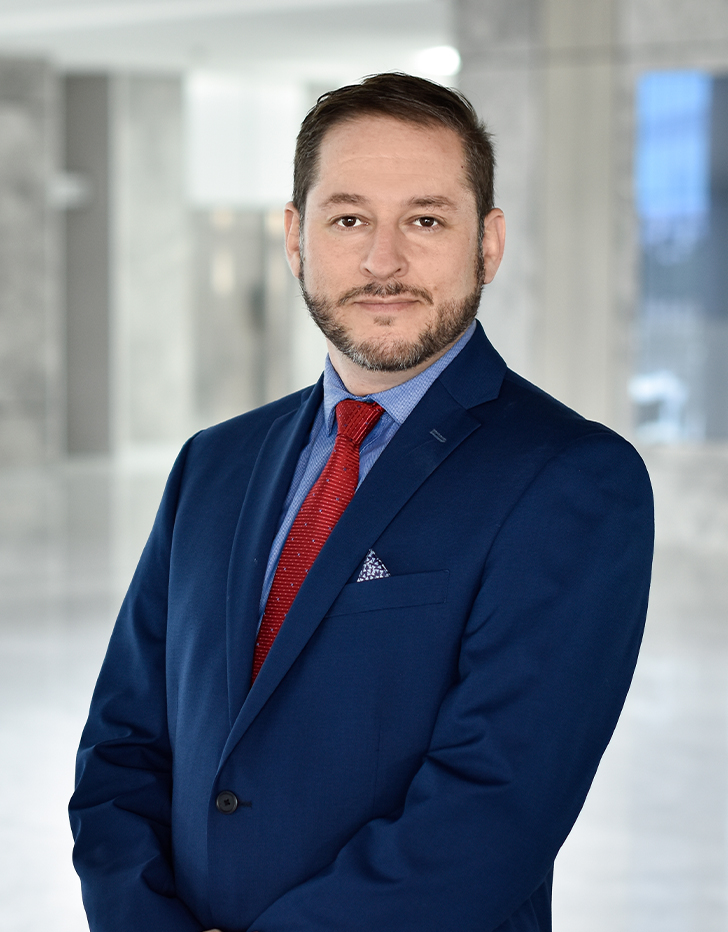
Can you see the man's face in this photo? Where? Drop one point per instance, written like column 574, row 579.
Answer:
column 389, row 256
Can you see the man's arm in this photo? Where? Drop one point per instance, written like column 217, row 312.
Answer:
column 546, row 660
column 120, row 812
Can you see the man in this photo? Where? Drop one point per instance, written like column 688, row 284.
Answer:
column 434, row 575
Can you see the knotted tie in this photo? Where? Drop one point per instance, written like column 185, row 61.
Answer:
column 321, row 509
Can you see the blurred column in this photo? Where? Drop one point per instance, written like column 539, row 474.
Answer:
column 31, row 399
column 498, row 42
column 543, row 74
column 229, row 312
column 88, row 264
column 128, row 278
column 151, row 331
column 582, row 334
column 254, row 338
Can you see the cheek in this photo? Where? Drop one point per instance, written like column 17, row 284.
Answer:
column 448, row 281
column 325, row 269
column 452, row 268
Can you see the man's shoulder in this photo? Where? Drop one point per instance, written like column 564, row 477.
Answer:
column 238, row 440
column 533, row 408
column 526, row 420
column 244, row 427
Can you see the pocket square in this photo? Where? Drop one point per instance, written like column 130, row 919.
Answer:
column 373, row 568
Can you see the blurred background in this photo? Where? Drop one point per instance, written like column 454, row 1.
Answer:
column 145, row 155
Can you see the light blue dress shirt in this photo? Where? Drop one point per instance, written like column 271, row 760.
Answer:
column 397, row 402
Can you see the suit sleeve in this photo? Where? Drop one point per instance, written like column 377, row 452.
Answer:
column 120, row 811
column 547, row 656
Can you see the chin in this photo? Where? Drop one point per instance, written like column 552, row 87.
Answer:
column 385, row 356
column 392, row 352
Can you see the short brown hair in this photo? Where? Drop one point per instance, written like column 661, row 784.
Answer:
column 403, row 97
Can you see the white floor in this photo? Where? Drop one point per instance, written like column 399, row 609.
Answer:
column 650, row 851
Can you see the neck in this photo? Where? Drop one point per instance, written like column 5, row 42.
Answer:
column 360, row 381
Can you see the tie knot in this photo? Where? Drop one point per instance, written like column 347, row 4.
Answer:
column 356, row 418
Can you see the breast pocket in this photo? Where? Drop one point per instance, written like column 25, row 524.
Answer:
column 407, row 591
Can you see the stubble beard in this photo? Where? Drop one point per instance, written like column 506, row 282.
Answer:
column 451, row 320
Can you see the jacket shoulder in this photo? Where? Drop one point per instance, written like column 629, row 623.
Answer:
column 527, row 407
column 245, row 429
column 527, row 424
column 228, row 450
column 258, row 419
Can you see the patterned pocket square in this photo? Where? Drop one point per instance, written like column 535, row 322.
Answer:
column 373, row 568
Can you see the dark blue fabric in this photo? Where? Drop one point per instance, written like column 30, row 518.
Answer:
column 416, row 748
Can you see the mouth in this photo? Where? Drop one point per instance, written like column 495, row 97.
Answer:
column 389, row 304
column 388, row 296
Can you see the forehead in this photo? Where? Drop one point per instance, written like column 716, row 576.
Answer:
column 372, row 156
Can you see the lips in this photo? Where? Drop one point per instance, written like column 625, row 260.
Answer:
column 386, row 295
column 394, row 303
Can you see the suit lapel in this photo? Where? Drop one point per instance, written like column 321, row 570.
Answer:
column 257, row 526
column 436, row 427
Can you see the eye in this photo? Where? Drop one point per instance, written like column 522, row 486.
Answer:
column 347, row 222
column 427, row 222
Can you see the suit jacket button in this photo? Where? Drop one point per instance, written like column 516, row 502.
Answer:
column 226, row 802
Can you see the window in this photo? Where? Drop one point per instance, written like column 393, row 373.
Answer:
column 680, row 389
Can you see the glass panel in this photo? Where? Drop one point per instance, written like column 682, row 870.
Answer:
column 680, row 389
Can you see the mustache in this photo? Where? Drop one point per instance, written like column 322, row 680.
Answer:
column 390, row 290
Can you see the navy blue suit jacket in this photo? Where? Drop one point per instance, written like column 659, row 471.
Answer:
column 415, row 748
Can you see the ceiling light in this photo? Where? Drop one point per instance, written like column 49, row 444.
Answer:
column 439, row 60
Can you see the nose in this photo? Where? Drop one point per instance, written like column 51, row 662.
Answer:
column 385, row 258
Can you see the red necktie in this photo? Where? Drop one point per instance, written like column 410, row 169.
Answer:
column 321, row 509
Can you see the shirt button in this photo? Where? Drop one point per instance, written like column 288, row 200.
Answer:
column 226, row 802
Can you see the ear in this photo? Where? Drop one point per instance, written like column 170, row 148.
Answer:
column 292, row 228
column 494, row 241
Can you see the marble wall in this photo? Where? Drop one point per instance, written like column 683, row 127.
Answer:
column 499, row 47
column 130, row 350
column 254, row 340
column 31, row 383
column 229, row 312
column 671, row 29
column 151, row 318
column 88, row 265
column 542, row 72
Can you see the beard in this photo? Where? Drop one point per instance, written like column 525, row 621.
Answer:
column 451, row 320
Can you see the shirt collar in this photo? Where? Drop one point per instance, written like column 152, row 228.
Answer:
column 398, row 402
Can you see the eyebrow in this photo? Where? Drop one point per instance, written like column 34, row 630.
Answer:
column 424, row 202
column 432, row 201
column 341, row 198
